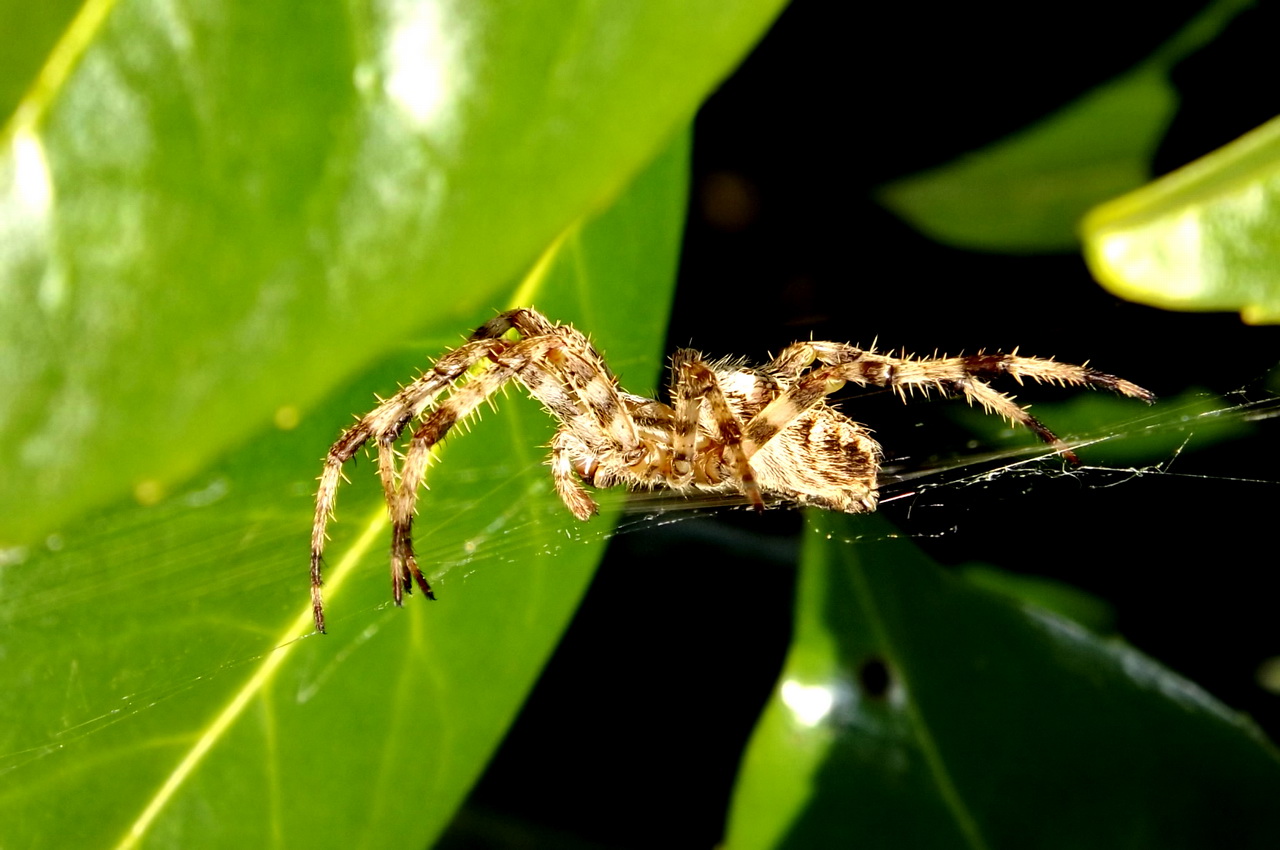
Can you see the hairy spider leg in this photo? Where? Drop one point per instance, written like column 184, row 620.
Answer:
column 593, row 386
column 531, row 361
column 527, row 322
column 386, row 422
column 579, row 365
column 575, row 383
column 567, row 480
column 695, row 383
column 597, row 390
column 961, row 376
column 459, row 404
column 951, row 375
column 1041, row 369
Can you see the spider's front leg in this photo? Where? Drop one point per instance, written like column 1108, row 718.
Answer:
column 526, row 360
column 461, row 403
column 385, row 422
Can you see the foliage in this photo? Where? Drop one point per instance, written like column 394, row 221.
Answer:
column 224, row 228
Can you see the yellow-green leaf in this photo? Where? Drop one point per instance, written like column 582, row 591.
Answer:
column 1206, row 237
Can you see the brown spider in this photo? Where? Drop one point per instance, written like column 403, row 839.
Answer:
column 765, row 432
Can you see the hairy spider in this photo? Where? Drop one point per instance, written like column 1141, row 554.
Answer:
column 764, row 431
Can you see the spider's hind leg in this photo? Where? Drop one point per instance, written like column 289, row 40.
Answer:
column 963, row 376
column 960, row 376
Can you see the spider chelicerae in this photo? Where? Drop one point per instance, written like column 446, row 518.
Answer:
column 765, row 432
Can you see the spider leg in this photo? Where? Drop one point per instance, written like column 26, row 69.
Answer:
column 387, row 421
column 962, row 376
column 791, row 362
column 568, row 483
column 936, row 372
column 527, row 321
column 576, row 364
column 456, row 407
column 597, row 391
column 821, row 382
column 523, row 360
column 573, row 385
column 695, row 383
column 559, row 397
column 951, row 375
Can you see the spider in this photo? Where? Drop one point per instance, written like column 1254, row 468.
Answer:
column 765, row 432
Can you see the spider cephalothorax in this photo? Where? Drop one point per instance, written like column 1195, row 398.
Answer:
column 766, row 431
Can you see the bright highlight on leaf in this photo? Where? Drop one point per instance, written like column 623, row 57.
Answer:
column 809, row 704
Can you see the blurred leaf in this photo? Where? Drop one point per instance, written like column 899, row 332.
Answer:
column 158, row 689
column 1202, row 238
column 210, row 214
column 1072, row 603
column 1027, row 192
column 916, row 710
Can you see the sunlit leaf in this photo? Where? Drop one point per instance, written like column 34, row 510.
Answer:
column 159, row 690
column 212, row 213
column 1206, row 237
column 917, row 710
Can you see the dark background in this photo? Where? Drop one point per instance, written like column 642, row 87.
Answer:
column 632, row 737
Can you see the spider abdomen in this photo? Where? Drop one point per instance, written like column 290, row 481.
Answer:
column 824, row 459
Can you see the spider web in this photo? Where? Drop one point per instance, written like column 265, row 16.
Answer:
column 1160, row 435
column 1170, row 435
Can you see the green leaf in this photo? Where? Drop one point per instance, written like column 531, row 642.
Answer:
column 159, row 688
column 1060, row 598
column 1201, row 238
column 917, row 710
column 210, row 214
column 1027, row 192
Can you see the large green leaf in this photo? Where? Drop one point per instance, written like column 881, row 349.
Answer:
column 211, row 213
column 917, row 710
column 159, row 690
